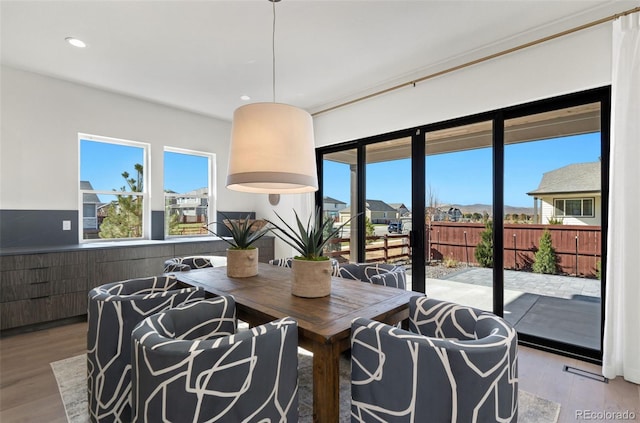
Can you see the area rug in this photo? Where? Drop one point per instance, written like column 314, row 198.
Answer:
column 71, row 375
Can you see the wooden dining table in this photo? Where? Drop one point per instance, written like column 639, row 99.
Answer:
column 324, row 324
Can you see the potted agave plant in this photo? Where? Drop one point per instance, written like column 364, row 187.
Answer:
column 311, row 270
column 242, row 256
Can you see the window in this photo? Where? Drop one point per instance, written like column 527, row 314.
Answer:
column 574, row 207
column 113, row 188
column 188, row 190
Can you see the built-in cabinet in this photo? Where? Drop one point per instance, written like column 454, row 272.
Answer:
column 42, row 287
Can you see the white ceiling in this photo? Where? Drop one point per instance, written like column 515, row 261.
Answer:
column 203, row 55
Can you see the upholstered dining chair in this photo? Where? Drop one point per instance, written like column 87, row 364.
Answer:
column 190, row 365
column 375, row 273
column 455, row 363
column 288, row 261
column 181, row 264
column 114, row 310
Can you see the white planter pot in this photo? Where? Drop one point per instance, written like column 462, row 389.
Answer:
column 311, row 279
column 242, row 263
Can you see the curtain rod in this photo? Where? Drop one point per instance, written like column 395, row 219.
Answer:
column 413, row 82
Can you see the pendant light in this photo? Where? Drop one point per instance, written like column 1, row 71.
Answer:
column 272, row 147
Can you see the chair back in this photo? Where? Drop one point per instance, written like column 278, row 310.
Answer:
column 456, row 363
column 210, row 374
column 114, row 310
column 376, row 273
column 181, row 264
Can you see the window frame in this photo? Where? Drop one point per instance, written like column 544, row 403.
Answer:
column 144, row 194
column 212, row 189
column 582, row 200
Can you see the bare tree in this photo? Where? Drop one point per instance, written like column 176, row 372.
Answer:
column 430, row 214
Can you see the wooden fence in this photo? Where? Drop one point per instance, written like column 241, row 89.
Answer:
column 578, row 248
column 387, row 248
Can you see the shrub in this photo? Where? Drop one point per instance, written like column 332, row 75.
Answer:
column 450, row 262
column 545, row 258
column 369, row 228
column 484, row 249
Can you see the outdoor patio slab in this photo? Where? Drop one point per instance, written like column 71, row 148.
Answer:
column 560, row 308
column 572, row 321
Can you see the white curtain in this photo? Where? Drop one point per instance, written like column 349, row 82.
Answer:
column 622, row 308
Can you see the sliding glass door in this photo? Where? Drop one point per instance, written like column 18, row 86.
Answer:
column 503, row 211
column 340, row 201
column 459, row 214
column 387, row 208
column 553, row 224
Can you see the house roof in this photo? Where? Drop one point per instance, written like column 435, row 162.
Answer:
column 398, row 206
column 573, row 178
column 327, row 199
column 378, row 205
column 88, row 198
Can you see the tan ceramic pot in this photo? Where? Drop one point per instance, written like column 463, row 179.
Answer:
column 242, row 263
column 311, row 279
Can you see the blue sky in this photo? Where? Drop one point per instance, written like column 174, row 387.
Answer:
column 102, row 164
column 465, row 177
column 460, row 178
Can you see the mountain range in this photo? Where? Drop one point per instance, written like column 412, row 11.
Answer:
column 481, row 208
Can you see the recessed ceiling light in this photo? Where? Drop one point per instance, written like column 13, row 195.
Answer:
column 245, row 98
column 76, row 42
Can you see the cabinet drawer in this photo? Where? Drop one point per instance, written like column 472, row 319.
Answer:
column 35, row 261
column 25, row 312
column 128, row 269
column 31, row 283
column 68, row 305
column 67, row 271
column 67, row 286
column 16, row 289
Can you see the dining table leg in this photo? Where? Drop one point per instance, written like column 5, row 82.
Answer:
column 326, row 383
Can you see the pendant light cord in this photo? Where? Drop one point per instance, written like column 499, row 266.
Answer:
column 273, row 51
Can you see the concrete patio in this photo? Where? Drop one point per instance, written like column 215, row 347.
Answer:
column 561, row 308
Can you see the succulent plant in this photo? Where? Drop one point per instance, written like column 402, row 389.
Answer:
column 309, row 240
column 244, row 232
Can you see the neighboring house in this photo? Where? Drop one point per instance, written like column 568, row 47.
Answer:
column 570, row 194
column 376, row 210
column 90, row 204
column 332, row 207
column 402, row 210
column 444, row 213
column 454, row 214
column 192, row 208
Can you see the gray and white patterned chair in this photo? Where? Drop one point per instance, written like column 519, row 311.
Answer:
column 375, row 273
column 455, row 364
column 114, row 310
column 190, row 365
column 181, row 264
column 288, row 261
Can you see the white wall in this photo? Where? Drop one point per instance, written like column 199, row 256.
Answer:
column 41, row 119
column 42, row 116
column 569, row 64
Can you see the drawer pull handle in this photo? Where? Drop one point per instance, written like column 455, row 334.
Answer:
column 40, row 283
column 37, row 298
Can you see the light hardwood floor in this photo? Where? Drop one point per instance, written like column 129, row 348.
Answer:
column 28, row 390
